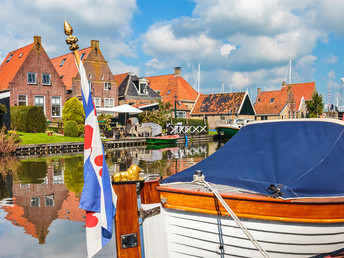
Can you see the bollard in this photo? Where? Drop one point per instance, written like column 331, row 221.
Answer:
column 127, row 221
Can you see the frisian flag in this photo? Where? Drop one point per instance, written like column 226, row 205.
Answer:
column 98, row 197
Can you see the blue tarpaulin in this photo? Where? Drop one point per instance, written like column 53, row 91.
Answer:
column 303, row 158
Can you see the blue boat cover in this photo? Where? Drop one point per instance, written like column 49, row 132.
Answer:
column 289, row 158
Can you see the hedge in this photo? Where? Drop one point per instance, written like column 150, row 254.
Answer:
column 71, row 129
column 28, row 119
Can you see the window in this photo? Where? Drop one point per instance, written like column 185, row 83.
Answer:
column 97, row 102
column 62, row 62
column 90, row 84
column 9, row 58
column 169, row 91
column 158, row 92
column 102, row 77
column 58, row 173
column 35, row 202
column 109, row 102
column 39, row 101
column 107, row 86
column 46, row 79
column 82, row 56
column 49, row 200
column 264, row 118
column 272, row 100
column 31, row 78
column 21, row 55
column 181, row 114
column 56, row 106
column 143, row 88
column 22, row 100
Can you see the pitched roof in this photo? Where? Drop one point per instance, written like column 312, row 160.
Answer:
column 222, row 103
column 171, row 85
column 300, row 90
column 119, row 78
column 11, row 65
column 68, row 68
column 271, row 102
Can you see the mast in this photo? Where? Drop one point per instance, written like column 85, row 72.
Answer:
column 198, row 77
column 289, row 79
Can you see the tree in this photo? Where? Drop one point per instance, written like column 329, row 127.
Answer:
column 73, row 110
column 315, row 107
column 160, row 116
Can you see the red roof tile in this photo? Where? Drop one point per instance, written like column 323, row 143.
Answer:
column 171, row 85
column 9, row 69
column 119, row 78
column 271, row 102
column 222, row 103
column 300, row 90
column 68, row 68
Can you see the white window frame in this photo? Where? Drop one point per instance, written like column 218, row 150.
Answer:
column 181, row 114
column 35, row 78
column 43, row 101
column 109, row 102
column 48, row 77
column 56, row 105
column 97, row 102
column 107, row 85
column 18, row 101
column 90, row 84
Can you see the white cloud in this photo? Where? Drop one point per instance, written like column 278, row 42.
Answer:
column 331, row 59
column 226, row 49
column 118, row 67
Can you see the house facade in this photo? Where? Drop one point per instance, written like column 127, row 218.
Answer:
column 28, row 77
column 174, row 89
column 224, row 106
column 136, row 91
column 289, row 102
column 101, row 80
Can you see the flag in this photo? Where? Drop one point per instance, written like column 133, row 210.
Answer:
column 98, row 197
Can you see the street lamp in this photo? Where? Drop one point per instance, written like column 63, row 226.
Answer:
column 175, row 106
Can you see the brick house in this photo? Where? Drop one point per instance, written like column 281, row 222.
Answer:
column 289, row 102
column 103, row 86
column 175, row 90
column 136, row 91
column 223, row 106
column 29, row 78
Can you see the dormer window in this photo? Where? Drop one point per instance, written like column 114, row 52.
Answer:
column 141, row 86
column 82, row 56
column 62, row 62
column 272, row 100
column 9, row 58
column 168, row 93
column 21, row 55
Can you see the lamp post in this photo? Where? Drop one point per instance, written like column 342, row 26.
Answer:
column 175, row 106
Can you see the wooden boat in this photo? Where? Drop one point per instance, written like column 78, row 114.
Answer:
column 167, row 139
column 229, row 128
column 274, row 190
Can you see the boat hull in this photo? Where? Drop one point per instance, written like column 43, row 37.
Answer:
column 193, row 223
column 226, row 131
column 192, row 234
column 163, row 139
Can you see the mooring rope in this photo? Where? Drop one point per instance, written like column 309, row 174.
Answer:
column 200, row 180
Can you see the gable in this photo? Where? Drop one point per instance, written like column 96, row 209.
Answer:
column 271, row 102
column 225, row 103
column 247, row 108
column 301, row 90
column 11, row 65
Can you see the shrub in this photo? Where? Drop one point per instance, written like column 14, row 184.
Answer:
column 71, row 129
column 3, row 109
column 9, row 141
column 73, row 111
column 28, row 119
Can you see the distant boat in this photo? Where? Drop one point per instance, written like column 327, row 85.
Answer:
column 227, row 129
column 275, row 190
column 167, row 139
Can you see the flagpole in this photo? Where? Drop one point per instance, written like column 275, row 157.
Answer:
column 71, row 40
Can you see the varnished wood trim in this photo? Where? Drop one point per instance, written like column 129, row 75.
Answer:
column 149, row 192
column 256, row 207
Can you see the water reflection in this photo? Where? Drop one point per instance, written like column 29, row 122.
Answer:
column 36, row 192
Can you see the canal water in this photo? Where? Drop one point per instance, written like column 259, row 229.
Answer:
column 39, row 198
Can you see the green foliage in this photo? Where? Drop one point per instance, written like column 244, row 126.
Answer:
column 105, row 122
column 73, row 111
column 316, row 106
column 71, row 129
column 28, row 119
column 3, row 109
column 194, row 122
column 74, row 174
column 160, row 116
column 32, row 172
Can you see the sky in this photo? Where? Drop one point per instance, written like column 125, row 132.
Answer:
column 239, row 44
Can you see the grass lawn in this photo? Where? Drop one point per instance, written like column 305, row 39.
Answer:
column 41, row 138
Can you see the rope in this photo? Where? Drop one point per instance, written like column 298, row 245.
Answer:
column 200, row 180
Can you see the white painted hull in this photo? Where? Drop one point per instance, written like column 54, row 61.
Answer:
column 175, row 233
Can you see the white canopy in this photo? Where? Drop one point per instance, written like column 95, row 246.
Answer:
column 120, row 109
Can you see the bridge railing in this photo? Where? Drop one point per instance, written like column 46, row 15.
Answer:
column 187, row 129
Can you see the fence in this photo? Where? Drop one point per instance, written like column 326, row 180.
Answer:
column 188, row 129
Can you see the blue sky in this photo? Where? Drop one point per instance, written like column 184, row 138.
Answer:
column 242, row 44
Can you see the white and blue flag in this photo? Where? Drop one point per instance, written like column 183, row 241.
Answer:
column 98, row 197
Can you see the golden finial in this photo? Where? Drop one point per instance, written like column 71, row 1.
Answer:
column 71, row 40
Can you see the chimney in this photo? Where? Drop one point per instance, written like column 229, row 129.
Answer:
column 37, row 40
column 177, row 71
column 258, row 93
